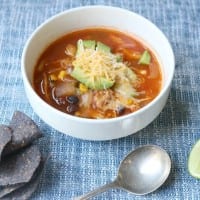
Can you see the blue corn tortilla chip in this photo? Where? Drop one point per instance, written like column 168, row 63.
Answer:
column 26, row 191
column 20, row 167
column 24, row 132
column 8, row 189
column 5, row 137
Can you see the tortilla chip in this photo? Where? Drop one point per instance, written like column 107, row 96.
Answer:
column 26, row 191
column 5, row 137
column 20, row 167
column 8, row 189
column 25, row 131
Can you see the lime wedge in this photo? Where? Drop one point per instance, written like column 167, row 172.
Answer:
column 194, row 160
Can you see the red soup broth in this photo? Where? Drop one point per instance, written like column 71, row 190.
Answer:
column 54, row 84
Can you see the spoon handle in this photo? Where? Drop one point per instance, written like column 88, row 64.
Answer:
column 97, row 191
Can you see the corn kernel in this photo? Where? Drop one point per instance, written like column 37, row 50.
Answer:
column 129, row 101
column 77, row 113
column 143, row 72
column 53, row 77
column 83, row 88
column 62, row 74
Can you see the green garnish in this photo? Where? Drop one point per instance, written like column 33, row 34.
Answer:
column 97, row 67
column 89, row 44
column 103, row 47
column 145, row 58
column 194, row 161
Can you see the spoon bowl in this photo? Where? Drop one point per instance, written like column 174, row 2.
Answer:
column 142, row 171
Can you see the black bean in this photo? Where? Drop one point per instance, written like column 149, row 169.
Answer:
column 72, row 108
column 72, row 99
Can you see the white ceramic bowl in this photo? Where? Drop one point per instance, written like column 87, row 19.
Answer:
column 91, row 16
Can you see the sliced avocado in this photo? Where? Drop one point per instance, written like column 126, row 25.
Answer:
column 103, row 47
column 130, row 75
column 85, row 44
column 79, row 74
column 93, row 82
column 124, row 85
column 125, row 89
column 119, row 58
column 145, row 58
column 89, row 44
column 102, row 83
column 80, row 47
column 97, row 83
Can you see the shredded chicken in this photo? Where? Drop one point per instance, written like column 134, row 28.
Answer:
column 109, row 100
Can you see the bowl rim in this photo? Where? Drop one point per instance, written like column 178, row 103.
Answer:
column 89, row 120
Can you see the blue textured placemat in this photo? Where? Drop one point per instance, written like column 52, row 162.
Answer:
column 77, row 166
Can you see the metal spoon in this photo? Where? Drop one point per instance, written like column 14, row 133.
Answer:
column 142, row 171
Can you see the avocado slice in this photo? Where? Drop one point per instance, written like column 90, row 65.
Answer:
column 124, row 86
column 145, row 58
column 89, row 44
column 98, row 83
column 85, row 44
column 103, row 47
column 130, row 75
column 93, row 82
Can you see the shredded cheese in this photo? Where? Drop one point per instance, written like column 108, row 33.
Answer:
column 100, row 64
